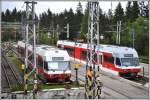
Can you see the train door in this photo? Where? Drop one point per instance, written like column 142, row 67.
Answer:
column 108, row 60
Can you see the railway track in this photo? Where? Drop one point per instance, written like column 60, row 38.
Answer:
column 10, row 78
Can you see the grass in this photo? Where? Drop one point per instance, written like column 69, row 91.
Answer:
column 47, row 86
column 13, row 58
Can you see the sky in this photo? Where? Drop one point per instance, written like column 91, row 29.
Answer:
column 59, row 6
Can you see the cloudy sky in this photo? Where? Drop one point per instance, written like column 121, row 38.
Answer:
column 58, row 6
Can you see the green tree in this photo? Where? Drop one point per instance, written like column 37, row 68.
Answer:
column 14, row 15
column 7, row 15
column 135, row 11
column 3, row 16
column 78, row 16
column 128, row 11
column 84, row 24
column 119, row 13
column 141, row 35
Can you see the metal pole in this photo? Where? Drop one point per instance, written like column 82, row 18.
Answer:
column 143, row 71
column 117, row 34
column 57, row 27
column 68, row 31
column 93, row 40
column 98, row 41
column 53, row 36
column 119, row 30
column 133, row 32
column 38, row 35
column 30, row 26
column 26, row 50
column 87, row 57
column 34, row 52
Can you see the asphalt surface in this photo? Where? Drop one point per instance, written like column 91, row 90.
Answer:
column 115, row 87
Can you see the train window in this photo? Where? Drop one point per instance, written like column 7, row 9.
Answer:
column 109, row 59
column 70, row 51
column 118, row 61
column 83, row 55
column 52, row 65
column 45, row 65
column 60, row 65
column 130, row 61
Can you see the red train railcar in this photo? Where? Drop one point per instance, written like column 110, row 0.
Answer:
column 114, row 59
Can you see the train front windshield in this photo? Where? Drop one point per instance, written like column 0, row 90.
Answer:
column 130, row 61
column 59, row 66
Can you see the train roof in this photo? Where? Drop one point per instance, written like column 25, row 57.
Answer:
column 47, row 51
column 117, row 51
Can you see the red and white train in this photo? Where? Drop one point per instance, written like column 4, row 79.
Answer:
column 114, row 59
column 52, row 63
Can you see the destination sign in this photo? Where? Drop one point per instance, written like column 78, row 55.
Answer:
column 57, row 58
column 128, row 55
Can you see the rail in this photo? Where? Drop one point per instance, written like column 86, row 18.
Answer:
column 10, row 74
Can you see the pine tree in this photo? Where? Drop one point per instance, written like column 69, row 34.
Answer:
column 14, row 15
column 79, row 8
column 3, row 16
column 119, row 13
column 129, row 11
column 7, row 15
column 79, row 15
column 84, row 24
column 49, row 17
column 135, row 11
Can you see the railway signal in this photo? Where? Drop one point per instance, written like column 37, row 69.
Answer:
column 76, row 67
